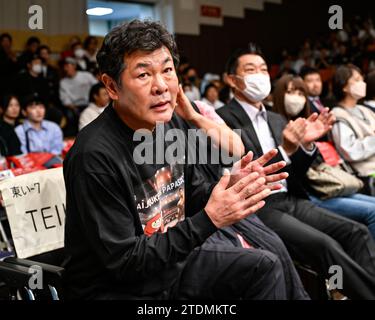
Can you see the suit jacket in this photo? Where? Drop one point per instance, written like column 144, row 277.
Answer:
column 236, row 118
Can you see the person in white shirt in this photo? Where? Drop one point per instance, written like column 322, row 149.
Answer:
column 191, row 89
column 74, row 94
column 354, row 131
column 211, row 96
column 75, row 87
column 99, row 100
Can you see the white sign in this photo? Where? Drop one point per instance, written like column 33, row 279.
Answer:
column 35, row 206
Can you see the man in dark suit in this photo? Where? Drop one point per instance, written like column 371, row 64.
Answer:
column 314, row 236
column 314, row 86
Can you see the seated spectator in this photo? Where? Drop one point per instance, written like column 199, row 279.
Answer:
column 32, row 46
column 209, row 78
column 10, row 110
column 314, row 86
column 9, row 142
column 50, row 73
column 79, row 54
column 118, row 249
column 191, row 86
column 313, row 235
column 8, row 63
column 99, row 100
column 353, row 133
column 74, row 94
column 68, row 52
column 37, row 134
column 370, row 96
column 75, row 86
column 30, row 81
column 290, row 100
column 91, row 47
column 211, row 96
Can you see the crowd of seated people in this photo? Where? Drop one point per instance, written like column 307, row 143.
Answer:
column 59, row 86
column 298, row 112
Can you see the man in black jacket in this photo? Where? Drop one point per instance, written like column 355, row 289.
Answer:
column 314, row 236
column 124, row 235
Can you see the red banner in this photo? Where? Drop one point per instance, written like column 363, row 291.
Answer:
column 211, row 11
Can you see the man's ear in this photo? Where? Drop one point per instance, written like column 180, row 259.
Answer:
column 111, row 86
column 230, row 80
column 24, row 113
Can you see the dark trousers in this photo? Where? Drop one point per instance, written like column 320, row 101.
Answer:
column 222, row 269
column 321, row 239
column 260, row 236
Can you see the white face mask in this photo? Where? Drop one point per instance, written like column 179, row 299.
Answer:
column 258, row 86
column 358, row 90
column 37, row 68
column 294, row 104
column 79, row 53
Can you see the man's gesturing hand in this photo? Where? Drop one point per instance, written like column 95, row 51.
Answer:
column 227, row 206
column 247, row 165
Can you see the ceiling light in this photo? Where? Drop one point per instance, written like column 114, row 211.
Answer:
column 99, row 11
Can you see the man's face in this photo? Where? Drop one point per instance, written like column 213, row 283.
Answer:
column 149, row 87
column 314, row 84
column 247, row 64
column 70, row 70
column 34, row 63
column 35, row 113
column 44, row 54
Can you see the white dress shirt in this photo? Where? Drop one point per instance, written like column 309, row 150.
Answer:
column 89, row 114
column 264, row 134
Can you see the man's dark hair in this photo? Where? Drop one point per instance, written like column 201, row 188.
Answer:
column 232, row 63
column 128, row 38
column 43, row 47
column 31, row 100
column 30, row 58
column 341, row 78
column 32, row 40
column 306, row 71
column 94, row 91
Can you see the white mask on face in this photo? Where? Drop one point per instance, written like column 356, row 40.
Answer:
column 358, row 90
column 294, row 104
column 37, row 68
column 258, row 86
column 79, row 53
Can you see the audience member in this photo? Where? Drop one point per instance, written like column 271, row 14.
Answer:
column 99, row 100
column 37, row 134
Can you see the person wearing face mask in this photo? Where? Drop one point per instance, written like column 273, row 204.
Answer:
column 354, row 131
column 190, row 82
column 314, row 236
column 290, row 100
column 79, row 54
column 31, row 81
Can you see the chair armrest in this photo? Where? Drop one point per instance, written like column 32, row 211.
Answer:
column 14, row 276
column 47, row 268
